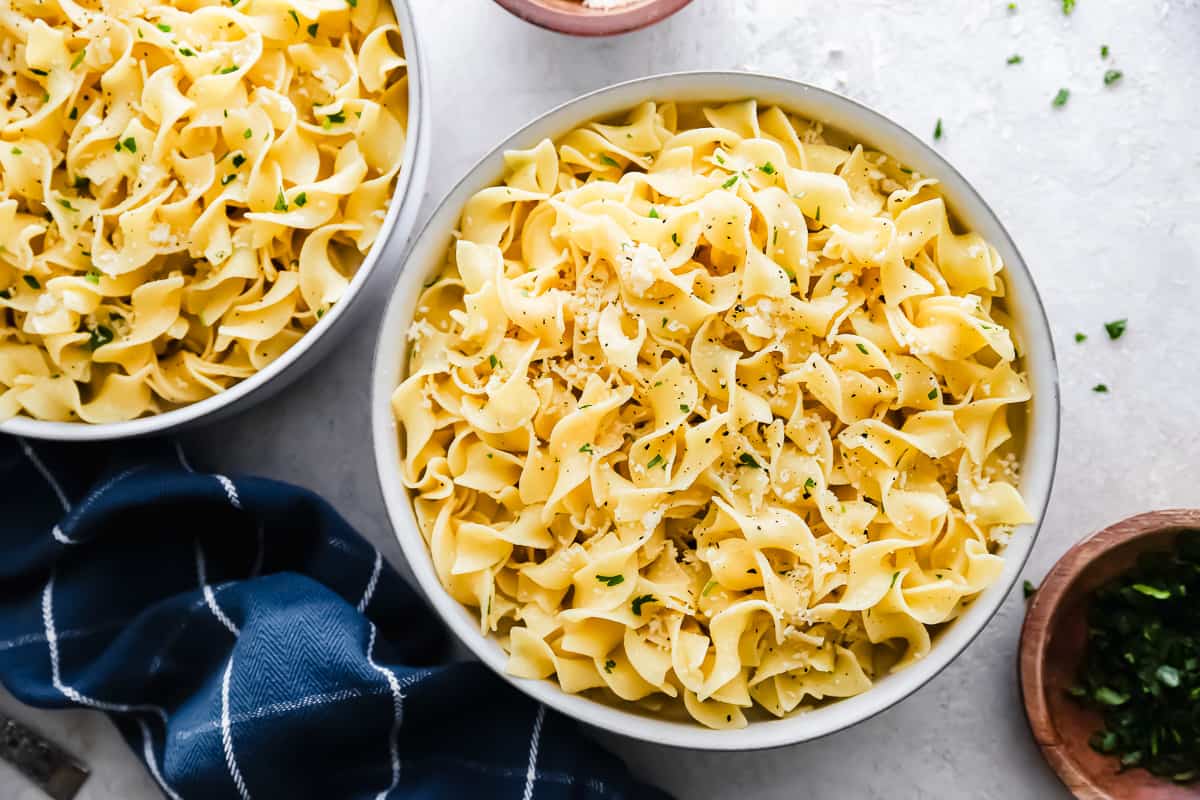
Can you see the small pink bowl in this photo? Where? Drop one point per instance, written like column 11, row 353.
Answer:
column 576, row 19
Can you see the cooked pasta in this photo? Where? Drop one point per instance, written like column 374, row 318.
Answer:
column 184, row 190
column 706, row 411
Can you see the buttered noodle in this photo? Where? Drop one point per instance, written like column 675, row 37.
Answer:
column 184, row 190
column 706, row 411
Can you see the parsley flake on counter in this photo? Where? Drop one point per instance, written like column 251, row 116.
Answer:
column 1068, row 6
column 1104, row 51
column 1029, row 589
column 1112, row 76
column 611, row 580
column 1015, row 58
column 1080, row 337
column 1061, row 98
column 1100, row 388
column 937, row 130
column 1116, row 328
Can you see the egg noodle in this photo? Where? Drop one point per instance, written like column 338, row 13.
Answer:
column 184, row 190
column 704, row 411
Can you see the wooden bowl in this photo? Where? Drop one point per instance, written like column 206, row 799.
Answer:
column 573, row 17
column 1052, row 646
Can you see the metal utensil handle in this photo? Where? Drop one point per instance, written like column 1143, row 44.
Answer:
column 52, row 769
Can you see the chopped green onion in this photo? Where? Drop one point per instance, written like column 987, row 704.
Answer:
column 611, row 580
column 75, row 62
column 729, row 182
column 638, row 602
column 654, row 462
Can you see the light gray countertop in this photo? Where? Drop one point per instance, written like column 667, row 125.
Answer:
column 1101, row 196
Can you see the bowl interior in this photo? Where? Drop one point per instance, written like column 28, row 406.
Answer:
column 1031, row 327
column 393, row 237
column 1053, row 645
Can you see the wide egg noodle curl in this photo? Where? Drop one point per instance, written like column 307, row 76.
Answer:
column 707, row 411
column 183, row 193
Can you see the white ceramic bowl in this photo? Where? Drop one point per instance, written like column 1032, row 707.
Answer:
column 374, row 274
column 1040, row 452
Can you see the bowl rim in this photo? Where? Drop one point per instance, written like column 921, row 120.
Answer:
column 407, row 195
column 1041, row 437
column 1045, row 613
column 593, row 22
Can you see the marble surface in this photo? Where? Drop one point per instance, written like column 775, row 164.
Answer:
column 1100, row 195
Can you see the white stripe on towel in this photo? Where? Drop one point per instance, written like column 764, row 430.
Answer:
column 369, row 592
column 209, row 597
column 397, row 715
column 230, row 491
column 37, row 462
column 534, row 740
column 81, row 699
column 227, row 734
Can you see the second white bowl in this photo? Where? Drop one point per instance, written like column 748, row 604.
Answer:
column 1031, row 327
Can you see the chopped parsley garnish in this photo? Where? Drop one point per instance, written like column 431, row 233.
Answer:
column 747, row 460
column 684, row 409
column 312, row 29
column 80, row 184
column 1104, row 51
column 640, row 601
column 895, row 577
column 93, row 276
column 1080, row 337
column 238, row 160
column 809, row 485
column 281, row 202
column 163, row 28
column 1015, row 58
column 301, row 199
column 906, row 170
column 101, row 335
column 653, row 213
column 933, row 393
column 611, row 580
column 187, row 51
column 675, row 239
column 75, row 62
column 1029, row 589
column 708, row 587
column 5, row 294
column 321, row 313
column 74, row 114
column 493, row 361
column 720, row 160
column 586, row 448
column 1068, row 6
column 36, row 71
column 1112, row 76
column 609, row 161
column 65, row 203
column 334, row 119
column 818, row 217
column 295, row 19
column 1100, row 388
column 31, row 282
column 228, row 70
column 862, row 348
column 228, row 179
column 937, row 130
column 1061, row 98
column 246, row 134
column 608, row 666
column 16, row 151
column 654, row 462
column 1141, row 664
column 130, row 144
column 732, row 180
column 352, row 3
column 767, row 168
column 1116, row 329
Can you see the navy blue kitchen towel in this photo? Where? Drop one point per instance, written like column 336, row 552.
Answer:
column 249, row 644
